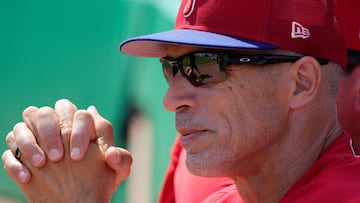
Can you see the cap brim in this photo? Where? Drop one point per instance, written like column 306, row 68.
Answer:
column 156, row 45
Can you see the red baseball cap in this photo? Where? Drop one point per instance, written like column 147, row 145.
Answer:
column 304, row 26
column 348, row 14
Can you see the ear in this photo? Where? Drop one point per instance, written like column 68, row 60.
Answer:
column 306, row 74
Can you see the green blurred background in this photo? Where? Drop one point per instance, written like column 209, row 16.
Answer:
column 69, row 49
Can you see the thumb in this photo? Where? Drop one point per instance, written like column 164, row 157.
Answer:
column 120, row 161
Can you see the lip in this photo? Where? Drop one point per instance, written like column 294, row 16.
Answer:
column 190, row 137
column 186, row 131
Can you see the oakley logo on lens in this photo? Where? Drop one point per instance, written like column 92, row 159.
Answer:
column 244, row 60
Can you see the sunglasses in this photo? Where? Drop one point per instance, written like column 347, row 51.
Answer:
column 201, row 68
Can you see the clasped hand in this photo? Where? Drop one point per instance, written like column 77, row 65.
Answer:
column 66, row 155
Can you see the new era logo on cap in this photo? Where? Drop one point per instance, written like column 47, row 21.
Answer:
column 299, row 31
column 189, row 8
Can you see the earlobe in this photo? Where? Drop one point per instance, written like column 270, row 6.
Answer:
column 306, row 73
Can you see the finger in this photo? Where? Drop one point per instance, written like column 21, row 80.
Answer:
column 83, row 131
column 65, row 112
column 49, row 133
column 29, row 117
column 10, row 141
column 120, row 161
column 23, row 138
column 104, row 130
column 13, row 167
column 51, row 142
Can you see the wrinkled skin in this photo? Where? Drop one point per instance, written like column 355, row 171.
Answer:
column 72, row 155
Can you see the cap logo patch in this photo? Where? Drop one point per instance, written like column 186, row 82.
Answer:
column 299, row 31
column 189, row 8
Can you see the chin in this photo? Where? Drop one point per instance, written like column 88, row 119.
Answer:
column 203, row 173
column 203, row 169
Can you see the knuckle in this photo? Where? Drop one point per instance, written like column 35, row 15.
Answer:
column 4, row 156
column 8, row 161
column 29, row 111
column 83, row 115
column 18, row 126
column 65, row 129
column 64, row 103
column 66, row 126
column 45, row 111
column 105, row 125
column 9, row 137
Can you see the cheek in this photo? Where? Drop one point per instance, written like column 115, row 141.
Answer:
column 343, row 85
column 345, row 95
column 344, row 102
column 255, row 115
column 244, row 120
column 238, row 115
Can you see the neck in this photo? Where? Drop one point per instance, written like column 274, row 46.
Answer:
column 284, row 162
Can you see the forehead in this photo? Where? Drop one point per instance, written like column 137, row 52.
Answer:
column 175, row 51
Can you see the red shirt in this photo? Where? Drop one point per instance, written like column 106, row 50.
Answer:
column 335, row 177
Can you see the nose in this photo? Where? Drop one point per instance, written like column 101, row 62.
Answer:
column 180, row 95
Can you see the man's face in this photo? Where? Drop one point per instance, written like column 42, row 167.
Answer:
column 233, row 126
column 349, row 87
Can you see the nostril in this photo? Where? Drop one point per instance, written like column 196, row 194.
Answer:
column 181, row 108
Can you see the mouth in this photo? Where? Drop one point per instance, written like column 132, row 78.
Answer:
column 193, row 131
column 188, row 131
column 191, row 138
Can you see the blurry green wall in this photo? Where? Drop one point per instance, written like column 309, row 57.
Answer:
column 69, row 49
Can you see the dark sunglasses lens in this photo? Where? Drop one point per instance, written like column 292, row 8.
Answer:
column 202, row 68
column 197, row 68
column 169, row 68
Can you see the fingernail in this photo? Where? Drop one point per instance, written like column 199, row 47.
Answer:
column 22, row 176
column 37, row 159
column 54, row 154
column 75, row 153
